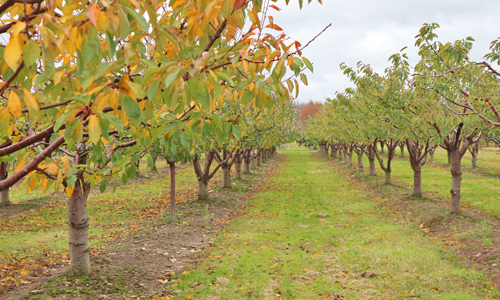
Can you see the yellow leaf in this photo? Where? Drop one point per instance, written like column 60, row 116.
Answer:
column 94, row 129
column 43, row 184
column 58, row 77
column 69, row 191
column 102, row 22
column 13, row 52
column 52, row 168
column 15, row 105
column 20, row 165
column 31, row 103
column 4, row 121
column 65, row 161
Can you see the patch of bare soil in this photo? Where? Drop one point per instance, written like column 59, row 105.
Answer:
column 141, row 266
column 471, row 236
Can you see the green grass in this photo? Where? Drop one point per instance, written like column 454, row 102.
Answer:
column 312, row 232
column 478, row 191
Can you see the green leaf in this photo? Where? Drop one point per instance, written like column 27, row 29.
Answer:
column 308, row 63
column 152, row 89
column 131, row 108
column 204, row 96
column 124, row 24
column 114, row 121
column 247, row 97
column 111, row 44
column 172, row 77
column 140, row 19
column 224, row 76
column 236, row 131
column 31, row 53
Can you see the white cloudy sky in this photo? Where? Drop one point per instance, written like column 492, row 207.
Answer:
column 370, row 31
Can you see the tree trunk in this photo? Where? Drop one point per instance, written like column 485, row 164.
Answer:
column 456, row 181
column 137, row 173
column 172, row 190
column 372, row 165
column 202, row 190
column 417, row 181
column 247, row 167
column 345, row 156
column 388, row 177
column 4, row 195
column 449, row 157
column 349, row 156
column 339, row 154
column 360, row 159
column 252, row 163
column 237, row 166
column 382, row 147
column 333, row 153
column 78, row 223
column 226, row 171
column 432, row 155
column 474, row 153
column 259, row 158
column 402, row 147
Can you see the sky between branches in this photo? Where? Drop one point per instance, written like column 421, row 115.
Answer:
column 370, row 31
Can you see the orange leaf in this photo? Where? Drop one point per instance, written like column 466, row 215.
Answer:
column 275, row 27
column 275, row 7
column 93, row 13
column 239, row 4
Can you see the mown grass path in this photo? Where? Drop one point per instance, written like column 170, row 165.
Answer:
column 312, row 233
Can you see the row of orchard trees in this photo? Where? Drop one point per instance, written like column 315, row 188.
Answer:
column 88, row 88
column 445, row 100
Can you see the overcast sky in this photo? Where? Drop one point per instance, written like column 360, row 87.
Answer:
column 370, row 31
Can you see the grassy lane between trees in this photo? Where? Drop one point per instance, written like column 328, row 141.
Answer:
column 313, row 232
column 478, row 191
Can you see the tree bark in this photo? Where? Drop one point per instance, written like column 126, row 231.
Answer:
column 259, row 158
column 202, row 190
column 78, row 223
column 372, row 166
column 345, row 155
column 226, row 171
column 349, row 155
column 252, row 163
column 247, row 167
column 237, row 166
column 4, row 195
column 456, row 181
column 360, row 160
column 417, row 181
column 402, row 147
column 172, row 190
column 474, row 151
column 388, row 177
column 449, row 157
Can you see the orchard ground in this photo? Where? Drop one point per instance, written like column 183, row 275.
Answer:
column 315, row 228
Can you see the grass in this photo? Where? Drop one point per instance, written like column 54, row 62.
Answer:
column 478, row 191
column 311, row 232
